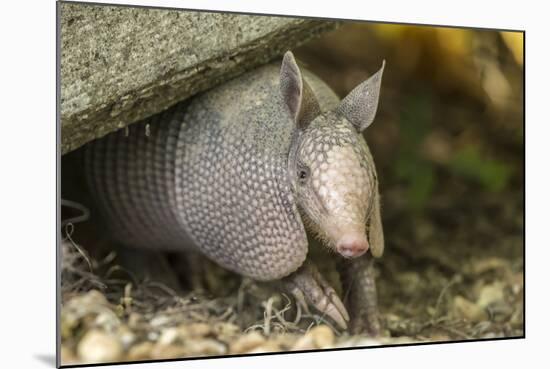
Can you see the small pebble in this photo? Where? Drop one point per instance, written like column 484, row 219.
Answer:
column 68, row 323
column 168, row 336
column 440, row 337
column 141, row 351
column 205, row 347
column 397, row 340
column 464, row 308
column 93, row 297
column 97, row 346
column 153, row 336
column 198, row 329
column 160, row 351
column 304, row 343
column 107, row 320
column 320, row 336
column 323, row 336
column 135, row 320
column 361, row 342
column 225, row 329
column 247, row 342
column 67, row 356
column 126, row 336
column 285, row 341
column 489, row 294
column 159, row 321
column 266, row 347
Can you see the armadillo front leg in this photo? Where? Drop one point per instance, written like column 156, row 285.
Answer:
column 309, row 288
column 358, row 282
column 358, row 279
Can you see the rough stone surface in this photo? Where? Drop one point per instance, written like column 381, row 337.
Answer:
column 120, row 64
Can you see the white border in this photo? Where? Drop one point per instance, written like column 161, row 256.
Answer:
column 27, row 200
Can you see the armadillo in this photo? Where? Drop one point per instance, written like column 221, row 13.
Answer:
column 241, row 171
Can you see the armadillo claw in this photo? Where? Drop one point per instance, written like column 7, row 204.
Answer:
column 310, row 289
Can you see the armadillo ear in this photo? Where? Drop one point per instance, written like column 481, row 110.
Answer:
column 296, row 93
column 359, row 107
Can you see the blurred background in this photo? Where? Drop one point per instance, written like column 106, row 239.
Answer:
column 448, row 145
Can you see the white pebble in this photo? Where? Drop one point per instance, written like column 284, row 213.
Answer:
column 97, row 346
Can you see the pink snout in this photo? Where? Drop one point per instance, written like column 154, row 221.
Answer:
column 352, row 247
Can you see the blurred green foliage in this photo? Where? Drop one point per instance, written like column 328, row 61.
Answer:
column 414, row 124
column 492, row 175
column 418, row 173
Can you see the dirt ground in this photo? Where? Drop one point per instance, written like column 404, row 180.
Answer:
column 459, row 283
column 449, row 153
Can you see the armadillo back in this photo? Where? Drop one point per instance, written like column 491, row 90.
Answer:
column 211, row 173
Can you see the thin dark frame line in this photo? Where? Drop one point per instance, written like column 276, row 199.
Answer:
column 58, row 189
column 292, row 16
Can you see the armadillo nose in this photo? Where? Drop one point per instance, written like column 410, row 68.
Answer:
column 352, row 247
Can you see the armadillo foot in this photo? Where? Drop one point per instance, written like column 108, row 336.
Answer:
column 359, row 290
column 310, row 289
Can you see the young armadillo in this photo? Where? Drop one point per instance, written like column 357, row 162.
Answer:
column 238, row 171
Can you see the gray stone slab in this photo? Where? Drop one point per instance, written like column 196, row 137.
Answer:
column 120, row 65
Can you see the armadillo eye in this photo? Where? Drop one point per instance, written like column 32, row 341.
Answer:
column 303, row 174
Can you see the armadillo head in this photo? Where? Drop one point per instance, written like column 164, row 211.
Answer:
column 330, row 165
